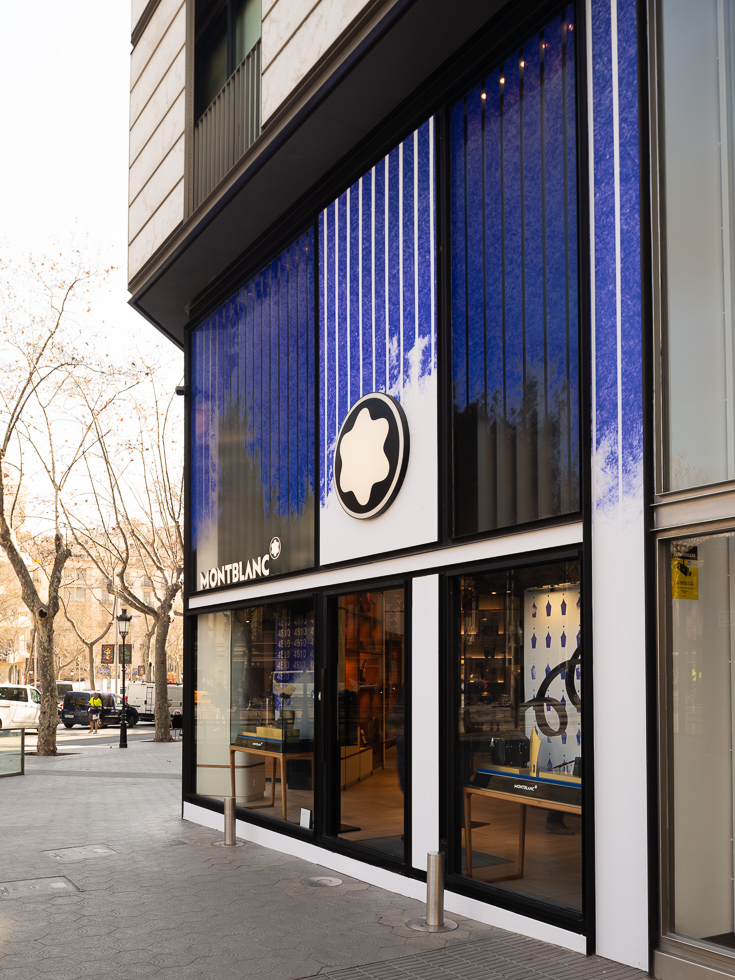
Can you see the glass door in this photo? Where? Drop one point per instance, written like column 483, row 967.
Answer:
column 368, row 681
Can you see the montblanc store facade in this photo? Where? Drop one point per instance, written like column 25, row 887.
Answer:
column 460, row 458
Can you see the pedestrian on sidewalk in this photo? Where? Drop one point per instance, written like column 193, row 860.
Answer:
column 95, row 707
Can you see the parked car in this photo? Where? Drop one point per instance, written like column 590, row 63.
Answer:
column 76, row 704
column 20, row 706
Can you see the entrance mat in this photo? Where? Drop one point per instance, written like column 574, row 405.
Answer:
column 388, row 845
column 724, row 939
column 482, row 860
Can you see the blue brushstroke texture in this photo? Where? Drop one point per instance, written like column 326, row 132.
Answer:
column 255, row 356
column 630, row 249
column 606, row 360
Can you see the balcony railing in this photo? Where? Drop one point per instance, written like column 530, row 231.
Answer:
column 228, row 127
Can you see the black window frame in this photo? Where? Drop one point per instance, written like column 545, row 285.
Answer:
column 219, row 19
column 451, row 817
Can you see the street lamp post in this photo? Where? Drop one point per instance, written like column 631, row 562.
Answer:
column 123, row 622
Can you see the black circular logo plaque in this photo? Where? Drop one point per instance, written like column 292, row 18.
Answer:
column 371, row 457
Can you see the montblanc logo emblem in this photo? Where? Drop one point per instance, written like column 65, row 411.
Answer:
column 371, row 456
column 275, row 548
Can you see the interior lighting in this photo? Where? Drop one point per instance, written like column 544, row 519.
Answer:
column 483, row 95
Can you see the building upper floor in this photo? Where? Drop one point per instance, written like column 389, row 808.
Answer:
column 240, row 108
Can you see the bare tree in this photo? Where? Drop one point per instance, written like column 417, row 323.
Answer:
column 144, row 529
column 45, row 431
column 82, row 627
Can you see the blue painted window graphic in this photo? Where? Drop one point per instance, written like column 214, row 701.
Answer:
column 253, row 457
column 514, row 314
column 377, row 300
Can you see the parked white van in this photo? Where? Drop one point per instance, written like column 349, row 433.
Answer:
column 142, row 697
column 20, row 706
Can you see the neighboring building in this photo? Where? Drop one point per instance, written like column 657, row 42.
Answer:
column 454, row 285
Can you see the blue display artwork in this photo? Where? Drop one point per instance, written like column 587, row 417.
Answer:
column 514, row 319
column 253, row 425
column 548, row 608
column 617, row 294
column 563, row 607
column 377, row 287
column 549, row 661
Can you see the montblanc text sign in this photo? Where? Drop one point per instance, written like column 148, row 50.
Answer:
column 241, row 571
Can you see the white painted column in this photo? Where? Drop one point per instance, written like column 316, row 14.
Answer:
column 424, row 718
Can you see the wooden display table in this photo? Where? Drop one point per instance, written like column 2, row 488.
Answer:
column 275, row 756
column 520, row 788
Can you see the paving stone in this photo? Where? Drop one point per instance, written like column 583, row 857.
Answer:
column 163, row 911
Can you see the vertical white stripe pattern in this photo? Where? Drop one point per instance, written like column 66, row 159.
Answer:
column 348, row 242
column 618, row 285
column 336, row 314
column 431, row 233
column 416, row 236
column 400, row 265
column 324, row 357
column 372, row 266
column 591, row 179
column 387, row 305
column 359, row 283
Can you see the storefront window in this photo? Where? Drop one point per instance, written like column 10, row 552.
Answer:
column 212, row 704
column 272, row 709
column 698, row 104
column 518, row 748
column 515, row 355
column 699, row 731
column 253, row 427
column 371, row 700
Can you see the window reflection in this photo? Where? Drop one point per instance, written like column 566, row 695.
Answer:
column 371, row 701
column 272, row 708
column 700, row 573
column 519, row 730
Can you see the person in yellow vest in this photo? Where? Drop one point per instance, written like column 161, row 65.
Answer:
column 95, row 707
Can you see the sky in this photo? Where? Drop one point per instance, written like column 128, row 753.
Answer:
column 64, row 94
column 64, row 101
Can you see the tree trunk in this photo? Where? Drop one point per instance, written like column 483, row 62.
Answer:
column 47, row 676
column 90, row 652
column 163, row 715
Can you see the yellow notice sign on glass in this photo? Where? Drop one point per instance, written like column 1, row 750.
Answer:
column 684, row 579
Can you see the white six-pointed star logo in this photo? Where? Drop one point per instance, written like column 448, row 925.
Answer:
column 364, row 462
column 275, row 548
column 371, row 456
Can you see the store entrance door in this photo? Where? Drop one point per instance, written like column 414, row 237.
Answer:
column 367, row 757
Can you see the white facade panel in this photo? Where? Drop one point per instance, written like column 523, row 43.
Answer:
column 156, row 189
column 152, row 36
column 171, row 87
column 154, row 152
column 156, row 231
column 424, row 718
column 280, row 23
column 136, row 12
column 318, row 32
column 163, row 57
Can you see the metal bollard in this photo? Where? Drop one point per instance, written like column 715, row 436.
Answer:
column 434, row 921
column 435, row 889
column 230, row 838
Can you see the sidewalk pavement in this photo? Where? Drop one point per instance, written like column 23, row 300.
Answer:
column 154, row 898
